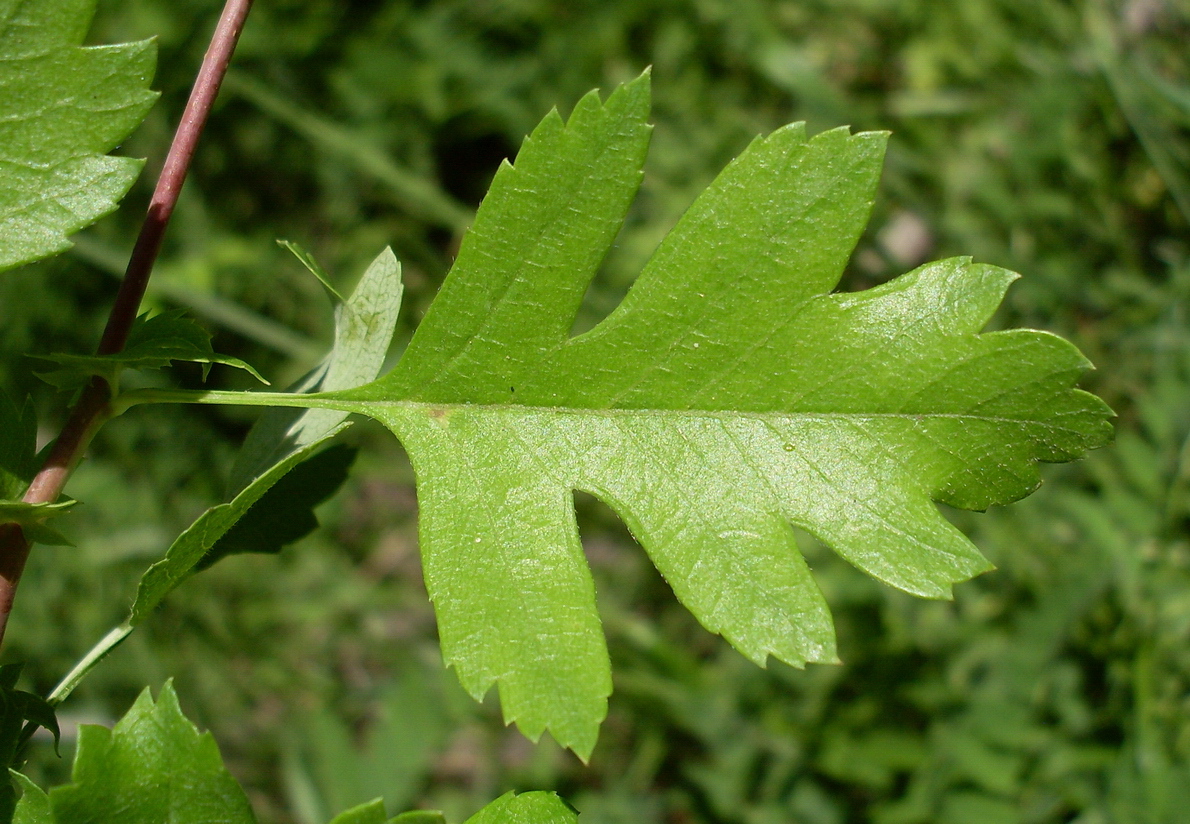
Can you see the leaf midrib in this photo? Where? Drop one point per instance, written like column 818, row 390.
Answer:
column 363, row 407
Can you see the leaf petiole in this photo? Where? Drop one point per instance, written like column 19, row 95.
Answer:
column 137, row 397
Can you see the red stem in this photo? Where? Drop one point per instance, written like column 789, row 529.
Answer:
column 92, row 407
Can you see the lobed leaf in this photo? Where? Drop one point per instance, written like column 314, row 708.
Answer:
column 153, row 766
column 730, row 396
column 62, row 108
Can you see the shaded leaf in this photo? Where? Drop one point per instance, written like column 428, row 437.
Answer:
column 153, row 343
column 32, row 519
column 18, row 446
column 285, row 469
column 195, row 548
column 62, row 108
column 20, row 714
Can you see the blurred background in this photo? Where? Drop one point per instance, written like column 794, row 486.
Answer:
column 1051, row 137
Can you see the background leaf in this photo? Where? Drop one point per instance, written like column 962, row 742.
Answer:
column 62, row 108
column 18, row 446
column 285, row 469
column 526, row 808
column 153, row 343
column 153, row 766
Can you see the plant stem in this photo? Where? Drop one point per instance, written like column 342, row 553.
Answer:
column 87, row 663
column 92, row 408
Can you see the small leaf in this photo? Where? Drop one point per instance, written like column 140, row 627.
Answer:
column 526, row 808
column 153, row 766
column 20, row 707
column 372, row 812
column 419, row 817
column 34, row 804
column 18, row 447
column 153, row 343
column 364, row 326
column 313, row 267
column 70, row 107
column 194, row 548
column 20, row 714
column 32, row 519
column 285, row 469
column 285, row 512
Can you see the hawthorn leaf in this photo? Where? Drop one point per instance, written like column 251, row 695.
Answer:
column 285, row 468
column 730, row 396
column 526, row 808
column 153, row 343
column 18, row 707
column 62, row 108
column 153, row 766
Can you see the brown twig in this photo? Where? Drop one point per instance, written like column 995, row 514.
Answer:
column 92, row 408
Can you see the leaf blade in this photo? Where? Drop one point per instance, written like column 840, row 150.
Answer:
column 72, row 106
column 153, row 766
column 730, row 397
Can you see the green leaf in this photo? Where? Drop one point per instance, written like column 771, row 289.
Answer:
column 62, row 108
column 313, row 267
column 211, row 536
column 370, row 813
column 285, row 512
column 32, row 519
column 18, row 446
column 153, row 766
column 730, row 396
column 34, row 804
column 526, row 808
column 285, row 468
column 20, row 714
column 364, row 326
column 419, row 817
column 373, row 813
column 153, row 343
